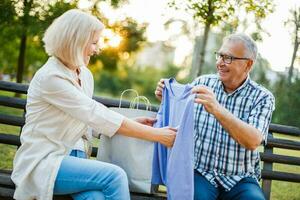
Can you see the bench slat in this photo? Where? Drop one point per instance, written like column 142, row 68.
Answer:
column 274, row 158
column 12, row 120
column 280, row 176
column 6, row 193
column 12, row 102
column 108, row 102
column 10, row 139
column 6, row 181
column 287, row 130
column 13, row 87
column 283, row 143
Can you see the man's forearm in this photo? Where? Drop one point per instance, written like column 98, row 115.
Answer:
column 243, row 133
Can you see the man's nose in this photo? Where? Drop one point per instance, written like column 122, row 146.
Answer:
column 220, row 61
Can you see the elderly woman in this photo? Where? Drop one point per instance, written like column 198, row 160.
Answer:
column 60, row 109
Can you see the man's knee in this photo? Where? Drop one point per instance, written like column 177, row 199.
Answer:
column 248, row 188
column 204, row 190
column 204, row 195
column 253, row 190
column 252, row 194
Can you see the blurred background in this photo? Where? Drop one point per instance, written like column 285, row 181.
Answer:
column 146, row 40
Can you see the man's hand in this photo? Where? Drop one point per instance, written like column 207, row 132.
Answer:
column 159, row 89
column 206, row 97
column 251, row 137
column 149, row 121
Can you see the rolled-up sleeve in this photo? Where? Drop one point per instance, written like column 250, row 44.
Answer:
column 61, row 93
column 261, row 114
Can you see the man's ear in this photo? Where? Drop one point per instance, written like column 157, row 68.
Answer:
column 249, row 65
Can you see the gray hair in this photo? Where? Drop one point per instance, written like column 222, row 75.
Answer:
column 248, row 42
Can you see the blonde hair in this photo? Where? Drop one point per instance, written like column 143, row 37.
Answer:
column 68, row 35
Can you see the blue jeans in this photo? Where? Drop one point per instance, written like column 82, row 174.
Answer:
column 90, row 179
column 246, row 189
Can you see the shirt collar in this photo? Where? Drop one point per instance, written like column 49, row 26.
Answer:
column 245, row 83
column 70, row 73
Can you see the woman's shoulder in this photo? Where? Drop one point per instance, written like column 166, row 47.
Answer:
column 54, row 68
column 50, row 73
column 86, row 71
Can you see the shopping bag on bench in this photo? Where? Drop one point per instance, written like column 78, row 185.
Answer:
column 133, row 155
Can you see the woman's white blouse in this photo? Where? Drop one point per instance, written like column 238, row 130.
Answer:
column 59, row 112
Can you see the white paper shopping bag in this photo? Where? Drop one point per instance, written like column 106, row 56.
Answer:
column 133, row 155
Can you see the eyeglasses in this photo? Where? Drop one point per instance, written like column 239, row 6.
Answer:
column 228, row 59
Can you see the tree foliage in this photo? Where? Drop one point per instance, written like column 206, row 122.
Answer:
column 133, row 37
column 211, row 13
column 287, row 102
column 143, row 80
column 22, row 26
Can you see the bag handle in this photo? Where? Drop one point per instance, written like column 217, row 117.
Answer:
column 128, row 90
column 136, row 99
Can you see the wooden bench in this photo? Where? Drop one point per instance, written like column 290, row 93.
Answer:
column 8, row 99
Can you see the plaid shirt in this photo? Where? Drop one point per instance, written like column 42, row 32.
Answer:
column 218, row 157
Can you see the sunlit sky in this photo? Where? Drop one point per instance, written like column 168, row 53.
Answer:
column 277, row 48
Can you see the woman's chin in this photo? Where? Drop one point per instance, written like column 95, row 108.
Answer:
column 87, row 60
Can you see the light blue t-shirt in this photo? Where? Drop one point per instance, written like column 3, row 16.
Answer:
column 174, row 167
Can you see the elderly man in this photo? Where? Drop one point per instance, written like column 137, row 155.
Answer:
column 232, row 115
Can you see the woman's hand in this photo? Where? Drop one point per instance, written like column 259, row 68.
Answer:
column 166, row 136
column 149, row 121
column 159, row 89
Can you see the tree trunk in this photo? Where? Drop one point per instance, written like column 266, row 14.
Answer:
column 198, row 61
column 291, row 69
column 203, row 48
column 296, row 22
column 24, row 25
column 195, row 58
column 21, row 59
column 199, row 54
